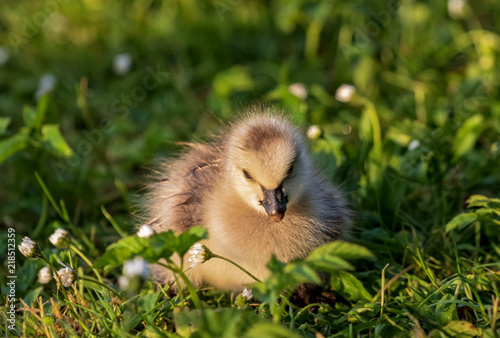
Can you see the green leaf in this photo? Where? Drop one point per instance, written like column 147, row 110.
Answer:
column 162, row 245
column 222, row 322
column 234, row 79
column 467, row 135
column 4, row 123
column 146, row 303
column 480, row 201
column 460, row 329
column 349, row 286
column 32, row 295
column 126, row 248
column 41, row 110
column 461, row 221
column 29, row 116
column 274, row 265
column 156, row 332
column 485, row 213
column 53, row 141
column 445, row 311
column 181, row 243
column 282, row 276
column 328, row 263
column 12, row 145
column 341, row 249
column 477, row 201
column 302, row 273
column 489, row 333
column 332, row 256
column 269, row 330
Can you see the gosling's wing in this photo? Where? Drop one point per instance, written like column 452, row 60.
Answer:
column 332, row 210
column 174, row 198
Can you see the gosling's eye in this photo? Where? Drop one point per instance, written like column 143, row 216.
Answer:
column 289, row 172
column 247, row 175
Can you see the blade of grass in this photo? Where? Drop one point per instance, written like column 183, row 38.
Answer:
column 481, row 306
column 423, row 264
column 49, row 196
column 495, row 314
column 43, row 217
column 382, row 291
column 113, row 222
column 393, row 279
column 94, row 306
column 68, row 328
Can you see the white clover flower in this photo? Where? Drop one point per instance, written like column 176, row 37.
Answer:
column 198, row 255
column 414, row 144
column 67, row 275
column 136, row 267
column 247, row 293
column 345, row 92
column 122, row 63
column 313, row 132
column 4, row 55
column 123, row 282
column 456, row 8
column 45, row 85
column 145, row 231
column 60, row 238
column 44, row 275
column 30, row 248
column 298, row 90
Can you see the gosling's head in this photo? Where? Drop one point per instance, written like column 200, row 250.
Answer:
column 267, row 164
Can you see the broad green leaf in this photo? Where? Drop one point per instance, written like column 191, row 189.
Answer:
column 4, row 123
column 349, row 286
column 283, row 276
column 12, row 145
column 341, row 249
column 126, row 248
column 445, row 311
column 32, row 296
column 274, row 265
column 303, row 273
column 486, row 213
column 181, row 243
column 234, row 79
column 162, row 245
column 332, row 256
column 480, row 201
column 147, row 302
column 29, row 116
column 460, row 329
column 461, row 221
column 467, row 135
column 269, row 330
column 54, row 142
column 477, row 201
column 328, row 263
column 153, row 331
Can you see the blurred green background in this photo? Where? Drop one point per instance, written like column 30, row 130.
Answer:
column 129, row 79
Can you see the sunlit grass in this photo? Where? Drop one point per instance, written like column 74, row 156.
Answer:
column 415, row 147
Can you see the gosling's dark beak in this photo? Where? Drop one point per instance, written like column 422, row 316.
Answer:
column 275, row 203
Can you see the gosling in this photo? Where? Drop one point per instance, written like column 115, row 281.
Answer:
column 256, row 191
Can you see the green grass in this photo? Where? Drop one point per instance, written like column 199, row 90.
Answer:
column 416, row 150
